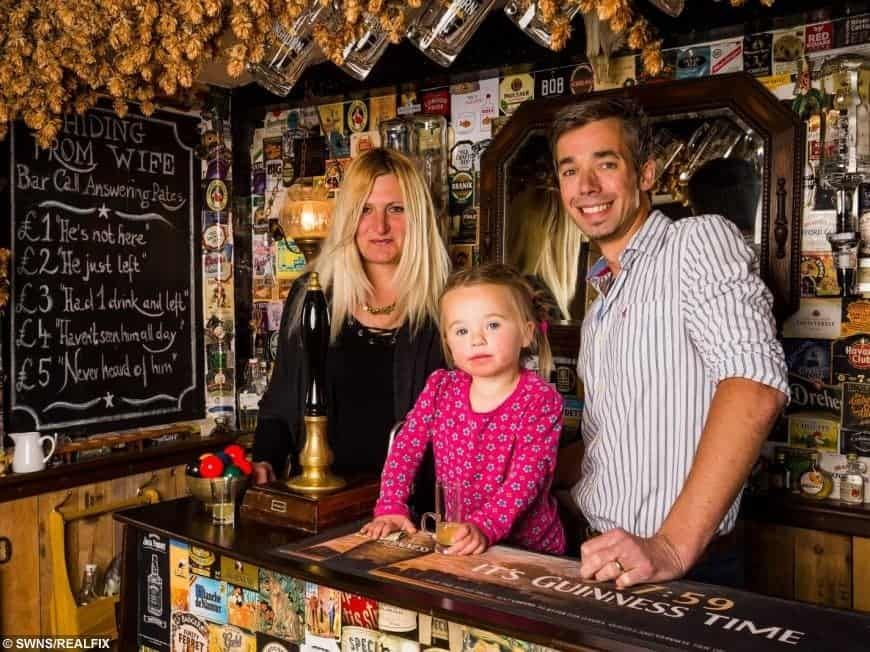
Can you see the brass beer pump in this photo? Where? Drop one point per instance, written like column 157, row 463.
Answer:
column 315, row 456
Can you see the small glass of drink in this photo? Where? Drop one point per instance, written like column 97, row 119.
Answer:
column 223, row 507
column 445, row 522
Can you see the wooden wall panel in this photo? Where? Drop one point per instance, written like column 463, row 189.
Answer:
column 860, row 574
column 823, row 568
column 770, row 559
column 19, row 599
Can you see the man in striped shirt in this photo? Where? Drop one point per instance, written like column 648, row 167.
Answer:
column 682, row 370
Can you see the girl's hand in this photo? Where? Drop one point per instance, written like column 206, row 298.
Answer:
column 383, row 525
column 469, row 541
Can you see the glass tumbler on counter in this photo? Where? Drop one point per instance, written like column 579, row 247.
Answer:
column 223, row 506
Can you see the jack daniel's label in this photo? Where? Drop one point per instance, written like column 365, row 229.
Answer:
column 153, row 581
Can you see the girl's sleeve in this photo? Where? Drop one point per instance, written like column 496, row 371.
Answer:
column 530, row 471
column 407, row 450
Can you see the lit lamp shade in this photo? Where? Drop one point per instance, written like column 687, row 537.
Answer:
column 306, row 217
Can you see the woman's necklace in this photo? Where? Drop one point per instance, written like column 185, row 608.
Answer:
column 383, row 310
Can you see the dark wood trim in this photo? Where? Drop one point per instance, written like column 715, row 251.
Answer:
column 22, row 485
column 794, row 511
column 738, row 92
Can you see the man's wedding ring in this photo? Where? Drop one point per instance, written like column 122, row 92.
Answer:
column 619, row 566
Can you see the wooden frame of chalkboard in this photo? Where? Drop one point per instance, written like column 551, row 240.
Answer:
column 104, row 327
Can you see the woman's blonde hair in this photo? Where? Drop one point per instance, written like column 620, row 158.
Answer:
column 543, row 242
column 423, row 265
column 523, row 299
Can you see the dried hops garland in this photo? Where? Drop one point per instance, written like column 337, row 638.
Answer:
column 342, row 23
column 57, row 57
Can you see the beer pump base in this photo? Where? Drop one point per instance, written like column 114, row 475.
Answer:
column 278, row 505
column 321, row 484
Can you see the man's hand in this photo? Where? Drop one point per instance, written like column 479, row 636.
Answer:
column 627, row 559
column 263, row 472
column 469, row 541
column 384, row 525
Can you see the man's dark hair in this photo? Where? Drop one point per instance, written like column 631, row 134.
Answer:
column 729, row 187
column 635, row 125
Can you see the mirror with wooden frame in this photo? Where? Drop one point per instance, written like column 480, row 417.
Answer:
column 722, row 144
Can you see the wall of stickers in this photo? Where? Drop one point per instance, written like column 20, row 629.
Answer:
column 193, row 599
column 217, row 262
column 827, row 341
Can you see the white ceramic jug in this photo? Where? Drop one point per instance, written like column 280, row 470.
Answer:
column 29, row 451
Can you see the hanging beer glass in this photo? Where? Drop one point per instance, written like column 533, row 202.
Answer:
column 845, row 159
column 444, row 28
column 289, row 53
column 532, row 24
column 362, row 55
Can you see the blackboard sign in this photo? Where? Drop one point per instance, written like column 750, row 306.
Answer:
column 104, row 321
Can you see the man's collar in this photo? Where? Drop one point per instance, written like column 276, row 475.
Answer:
column 648, row 239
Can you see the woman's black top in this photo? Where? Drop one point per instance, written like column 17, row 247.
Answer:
column 361, row 368
column 388, row 374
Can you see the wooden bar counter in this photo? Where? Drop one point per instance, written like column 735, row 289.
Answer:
column 527, row 599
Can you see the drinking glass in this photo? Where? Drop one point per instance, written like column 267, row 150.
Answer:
column 444, row 523
column 223, row 507
column 443, row 29
column 291, row 52
column 531, row 22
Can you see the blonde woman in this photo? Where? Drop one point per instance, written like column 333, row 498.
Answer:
column 382, row 267
column 544, row 245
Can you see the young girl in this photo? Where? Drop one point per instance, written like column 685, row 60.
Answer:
column 494, row 425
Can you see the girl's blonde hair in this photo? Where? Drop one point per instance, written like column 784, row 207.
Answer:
column 523, row 298
column 423, row 265
column 544, row 243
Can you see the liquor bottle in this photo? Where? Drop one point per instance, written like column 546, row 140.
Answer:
column 249, row 397
column 154, row 586
column 263, row 377
column 815, row 482
column 112, row 579
column 88, row 590
column 779, row 473
column 852, row 484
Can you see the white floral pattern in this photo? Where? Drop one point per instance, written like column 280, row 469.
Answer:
column 504, row 459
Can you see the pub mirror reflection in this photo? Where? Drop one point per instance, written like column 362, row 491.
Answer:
column 706, row 162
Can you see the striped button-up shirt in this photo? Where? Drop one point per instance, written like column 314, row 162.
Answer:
column 685, row 311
